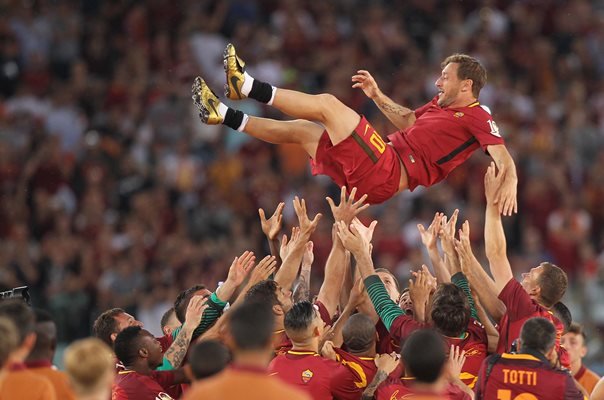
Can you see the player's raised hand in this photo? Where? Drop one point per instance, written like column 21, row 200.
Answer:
column 272, row 226
column 492, row 184
column 430, row 235
column 240, row 267
column 348, row 208
column 457, row 358
column 327, row 350
column 507, row 196
column 265, row 268
column 197, row 305
column 463, row 247
column 308, row 256
column 447, row 233
column 352, row 240
column 286, row 246
column 365, row 231
column 307, row 226
column 364, row 81
column 386, row 362
column 419, row 290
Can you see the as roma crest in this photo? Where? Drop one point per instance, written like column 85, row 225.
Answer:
column 458, row 114
column 307, row 376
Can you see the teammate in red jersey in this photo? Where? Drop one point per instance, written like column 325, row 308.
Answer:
column 302, row 366
column 540, row 289
column 430, row 143
column 141, row 353
column 531, row 374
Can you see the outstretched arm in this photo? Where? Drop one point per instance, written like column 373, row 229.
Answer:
column 494, row 237
column 400, row 116
column 506, row 196
column 429, row 237
column 335, row 268
column 288, row 272
column 271, row 228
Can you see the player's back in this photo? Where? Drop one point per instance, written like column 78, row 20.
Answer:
column 475, row 344
column 308, row 371
column 524, row 376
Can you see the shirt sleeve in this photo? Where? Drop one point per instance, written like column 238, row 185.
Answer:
column 387, row 309
column 210, row 315
column 518, row 302
column 460, row 280
column 482, row 126
column 342, row 385
column 421, row 110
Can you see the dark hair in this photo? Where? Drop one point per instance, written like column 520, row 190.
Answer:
column 46, row 336
column 126, row 345
column 182, row 301
column 251, row 326
column 263, row 292
column 106, row 324
column 359, row 333
column 424, row 355
column 537, row 334
column 166, row 317
column 386, row 270
column 469, row 68
column 577, row 330
column 9, row 338
column 553, row 283
column 299, row 317
column 21, row 316
column 563, row 314
column 450, row 310
column 207, row 358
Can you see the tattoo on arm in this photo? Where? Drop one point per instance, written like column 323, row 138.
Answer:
column 372, row 387
column 394, row 109
column 302, row 290
column 177, row 351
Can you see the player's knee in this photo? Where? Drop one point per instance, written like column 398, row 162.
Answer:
column 329, row 104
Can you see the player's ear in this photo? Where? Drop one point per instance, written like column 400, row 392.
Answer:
column 143, row 352
column 278, row 310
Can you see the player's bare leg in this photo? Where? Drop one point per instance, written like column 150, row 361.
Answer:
column 213, row 112
column 338, row 119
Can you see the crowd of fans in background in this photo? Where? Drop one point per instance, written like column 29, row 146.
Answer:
column 114, row 195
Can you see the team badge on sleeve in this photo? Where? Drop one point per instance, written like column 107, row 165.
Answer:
column 307, row 376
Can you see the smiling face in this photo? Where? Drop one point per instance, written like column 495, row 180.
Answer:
column 449, row 85
column 153, row 347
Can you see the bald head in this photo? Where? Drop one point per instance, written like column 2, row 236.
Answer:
column 359, row 333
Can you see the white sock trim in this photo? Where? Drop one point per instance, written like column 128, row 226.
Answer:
column 222, row 109
column 243, row 123
column 248, row 81
column 270, row 102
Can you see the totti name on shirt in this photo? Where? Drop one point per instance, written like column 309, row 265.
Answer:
column 519, row 377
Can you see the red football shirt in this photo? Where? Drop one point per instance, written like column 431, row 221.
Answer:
column 443, row 138
column 526, row 376
column 386, row 344
column 310, row 372
column 361, row 372
column 475, row 344
column 402, row 388
column 403, row 326
column 521, row 307
column 130, row 385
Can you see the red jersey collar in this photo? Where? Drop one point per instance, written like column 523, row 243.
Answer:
column 580, row 372
column 17, row 366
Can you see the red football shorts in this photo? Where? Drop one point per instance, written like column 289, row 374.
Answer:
column 363, row 160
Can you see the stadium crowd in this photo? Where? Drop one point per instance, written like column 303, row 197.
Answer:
column 115, row 196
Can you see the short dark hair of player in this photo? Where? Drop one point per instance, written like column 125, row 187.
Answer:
column 424, row 355
column 577, row 330
column 553, row 283
column 20, row 315
column 359, row 333
column 166, row 317
column 450, row 310
column 251, row 326
column 469, row 68
column 299, row 318
column 264, row 292
column 537, row 334
column 106, row 324
column 46, row 336
column 386, row 270
column 208, row 358
column 182, row 301
column 126, row 345
column 563, row 314
column 9, row 339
